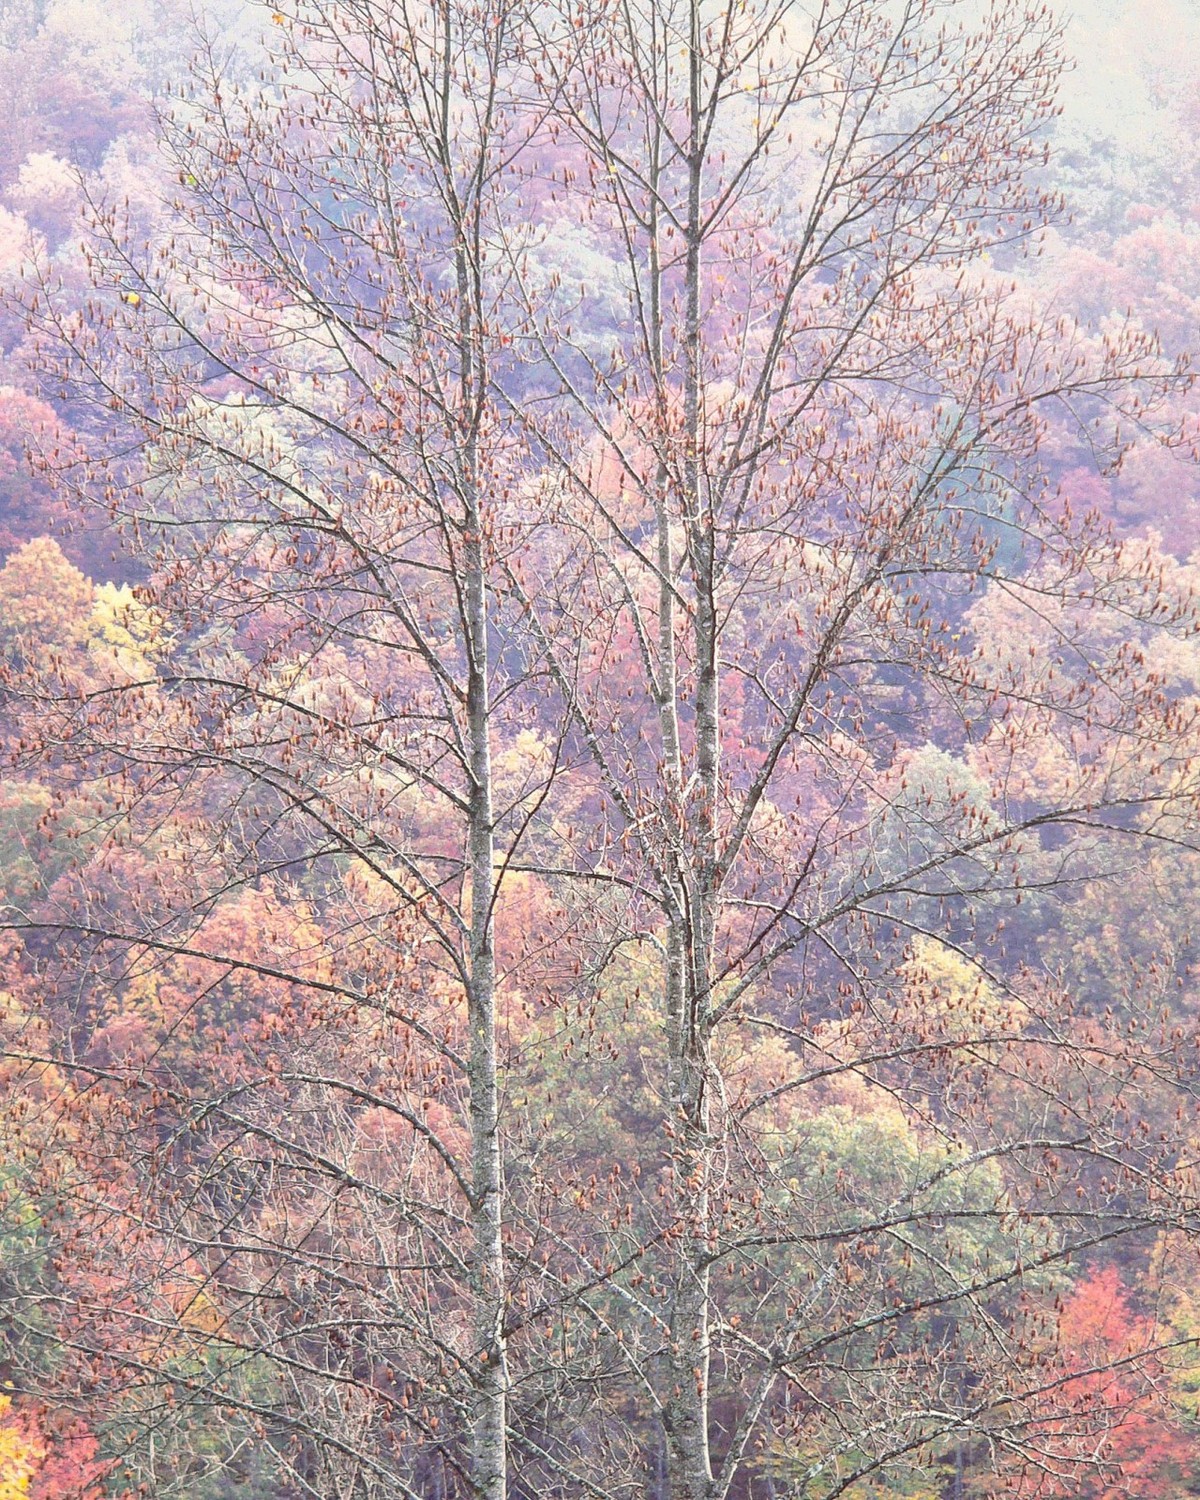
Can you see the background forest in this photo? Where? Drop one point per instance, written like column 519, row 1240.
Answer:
column 599, row 617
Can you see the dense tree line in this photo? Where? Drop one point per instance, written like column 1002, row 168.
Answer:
column 601, row 903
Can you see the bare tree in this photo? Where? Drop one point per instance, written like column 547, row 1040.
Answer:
column 812, row 435
column 305, row 362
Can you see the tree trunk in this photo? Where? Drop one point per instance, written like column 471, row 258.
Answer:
column 692, row 947
column 489, row 1462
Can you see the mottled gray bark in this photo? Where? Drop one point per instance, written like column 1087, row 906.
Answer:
column 691, row 942
column 489, row 1455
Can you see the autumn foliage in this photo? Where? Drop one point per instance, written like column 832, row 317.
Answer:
column 601, row 727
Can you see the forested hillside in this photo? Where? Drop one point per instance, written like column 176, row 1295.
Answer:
column 600, row 751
